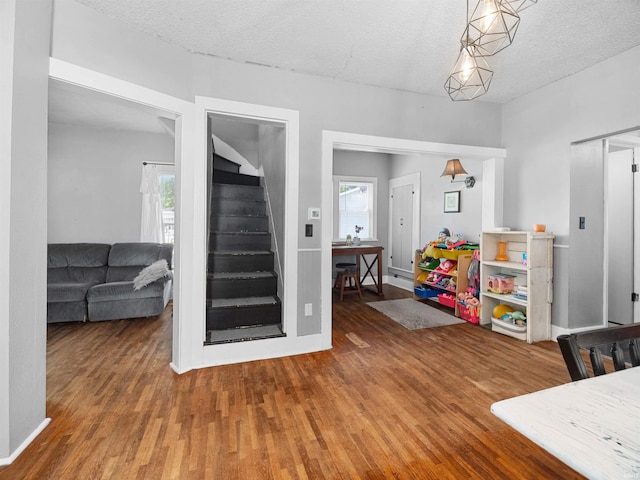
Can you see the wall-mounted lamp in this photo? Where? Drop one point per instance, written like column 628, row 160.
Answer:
column 454, row 168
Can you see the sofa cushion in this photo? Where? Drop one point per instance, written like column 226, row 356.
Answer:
column 67, row 292
column 77, row 262
column 77, row 254
column 76, row 274
column 127, row 259
column 107, row 292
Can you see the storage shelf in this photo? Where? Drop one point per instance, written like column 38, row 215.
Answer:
column 433, row 285
column 509, row 265
column 506, row 297
column 536, row 276
column 463, row 260
column 440, row 272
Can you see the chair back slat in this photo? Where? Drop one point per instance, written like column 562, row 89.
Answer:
column 596, row 361
column 572, row 357
column 617, row 354
column 612, row 339
column 634, row 352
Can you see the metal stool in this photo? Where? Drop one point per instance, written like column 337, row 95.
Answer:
column 349, row 274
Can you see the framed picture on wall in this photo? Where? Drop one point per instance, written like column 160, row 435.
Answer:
column 452, row 202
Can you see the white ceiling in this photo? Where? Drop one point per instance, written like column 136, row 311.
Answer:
column 408, row 45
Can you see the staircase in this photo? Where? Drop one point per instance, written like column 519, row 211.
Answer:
column 242, row 286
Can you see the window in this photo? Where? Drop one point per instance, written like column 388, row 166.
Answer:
column 167, row 180
column 355, row 204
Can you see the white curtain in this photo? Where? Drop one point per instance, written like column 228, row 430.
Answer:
column 151, row 229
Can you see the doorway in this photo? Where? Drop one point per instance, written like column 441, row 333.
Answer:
column 182, row 112
column 605, row 223
column 622, row 154
column 492, row 195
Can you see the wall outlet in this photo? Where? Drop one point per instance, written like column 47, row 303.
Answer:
column 308, row 309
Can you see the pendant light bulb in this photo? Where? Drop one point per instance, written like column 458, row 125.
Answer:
column 467, row 65
column 489, row 15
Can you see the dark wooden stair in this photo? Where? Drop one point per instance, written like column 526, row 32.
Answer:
column 242, row 286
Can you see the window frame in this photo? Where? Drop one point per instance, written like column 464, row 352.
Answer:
column 373, row 227
column 167, row 170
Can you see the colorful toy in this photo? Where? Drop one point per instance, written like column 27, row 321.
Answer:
column 447, row 265
column 500, row 310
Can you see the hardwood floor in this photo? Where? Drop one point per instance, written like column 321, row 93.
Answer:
column 385, row 402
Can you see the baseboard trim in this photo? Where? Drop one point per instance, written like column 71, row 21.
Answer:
column 400, row 282
column 8, row 460
column 175, row 368
column 557, row 331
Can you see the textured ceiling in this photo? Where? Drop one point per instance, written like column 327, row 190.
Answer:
column 407, row 45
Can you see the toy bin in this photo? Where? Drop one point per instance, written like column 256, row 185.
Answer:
column 500, row 283
column 424, row 292
column 469, row 313
column 508, row 328
column 447, row 300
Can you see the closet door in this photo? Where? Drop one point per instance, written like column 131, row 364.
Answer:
column 403, row 221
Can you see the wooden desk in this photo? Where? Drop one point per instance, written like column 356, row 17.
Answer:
column 359, row 252
column 592, row 425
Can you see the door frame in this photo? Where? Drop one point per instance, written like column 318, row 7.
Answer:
column 183, row 308
column 633, row 144
column 591, row 299
column 492, row 193
column 412, row 179
column 291, row 344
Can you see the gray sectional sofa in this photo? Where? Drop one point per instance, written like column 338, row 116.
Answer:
column 95, row 282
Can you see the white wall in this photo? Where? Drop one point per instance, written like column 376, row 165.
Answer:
column 271, row 153
column 468, row 222
column 537, row 132
column 24, row 51
column 86, row 37
column 94, row 182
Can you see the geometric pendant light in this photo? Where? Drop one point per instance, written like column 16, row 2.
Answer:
column 470, row 76
column 491, row 26
column 519, row 5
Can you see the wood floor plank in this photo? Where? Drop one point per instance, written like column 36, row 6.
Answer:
column 384, row 403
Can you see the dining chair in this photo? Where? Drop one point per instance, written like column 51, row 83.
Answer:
column 613, row 340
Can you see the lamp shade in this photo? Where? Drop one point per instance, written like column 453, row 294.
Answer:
column 453, row 168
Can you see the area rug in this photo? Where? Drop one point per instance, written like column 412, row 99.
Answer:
column 413, row 315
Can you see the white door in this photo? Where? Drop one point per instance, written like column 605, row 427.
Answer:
column 620, row 228
column 622, row 249
column 404, row 222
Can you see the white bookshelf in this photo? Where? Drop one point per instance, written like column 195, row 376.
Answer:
column 536, row 275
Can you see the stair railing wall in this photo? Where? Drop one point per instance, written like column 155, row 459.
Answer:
column 210, row 150
column 274, row 240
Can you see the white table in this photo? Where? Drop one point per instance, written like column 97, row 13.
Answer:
column 592, row 425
